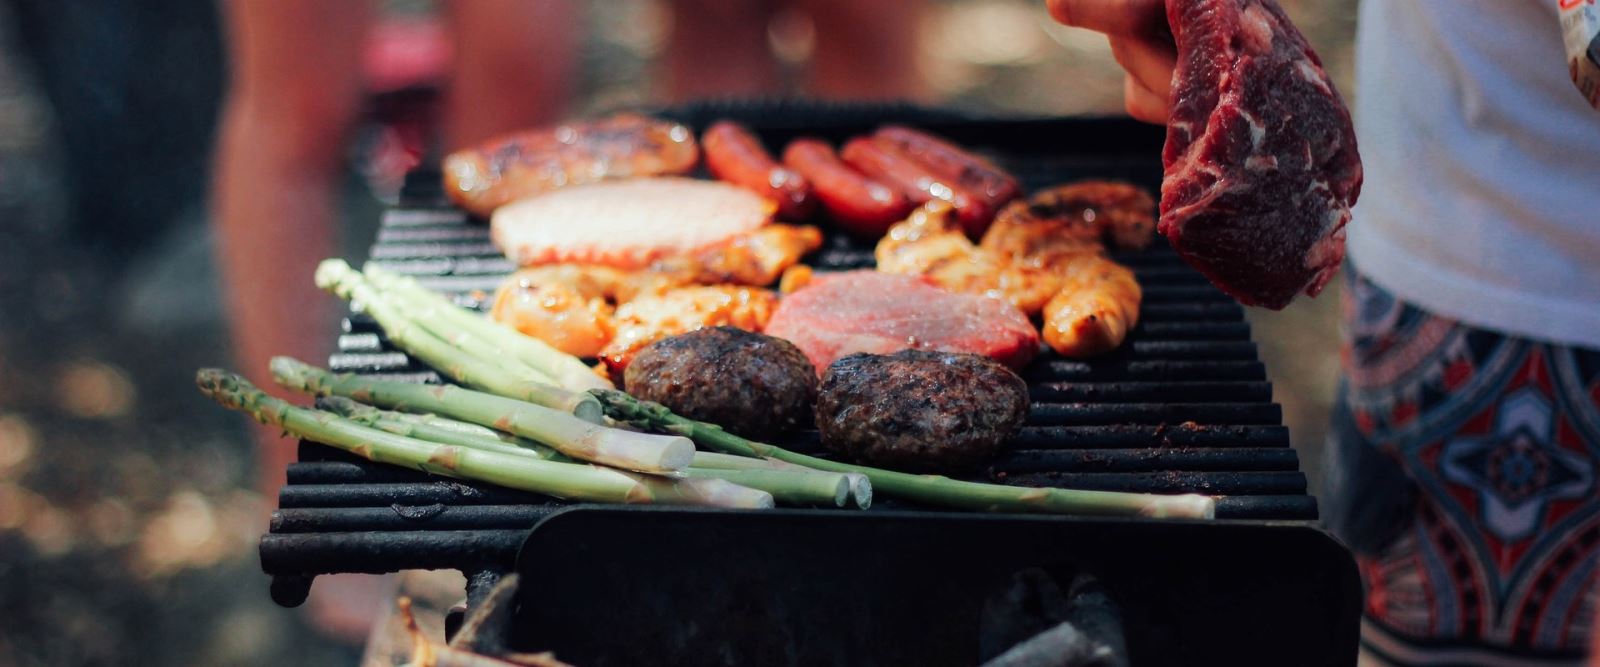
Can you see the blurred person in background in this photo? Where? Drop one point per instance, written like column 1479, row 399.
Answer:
column 296, row 90
column 1466, row 442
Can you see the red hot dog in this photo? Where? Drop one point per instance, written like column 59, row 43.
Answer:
column 948, row 161
column 735, row 155
column 878, row 158
column 865, row 207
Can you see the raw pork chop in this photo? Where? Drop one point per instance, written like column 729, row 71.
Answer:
column 626, row 223
column 866, row 311
column 1261, row 163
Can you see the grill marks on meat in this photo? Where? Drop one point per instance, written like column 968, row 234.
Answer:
column 920, row 411
column 752, row 385
column 1261, row 160
column 867, row 311
column 508, row 168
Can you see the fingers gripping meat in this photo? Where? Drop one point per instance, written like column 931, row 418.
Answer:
column 1097, row 305
column 507, row 168
column 735, row 155
column 863, row 206
column 878, row 159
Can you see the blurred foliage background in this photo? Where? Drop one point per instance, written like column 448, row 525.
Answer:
column 127, row 514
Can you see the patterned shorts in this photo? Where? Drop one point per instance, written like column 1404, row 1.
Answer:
column 1462, row 471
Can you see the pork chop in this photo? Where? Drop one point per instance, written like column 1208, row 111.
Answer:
column 627, row 224
column 865, row 311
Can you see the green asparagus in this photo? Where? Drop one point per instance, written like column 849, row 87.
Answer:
column 927, row 489
column 565, row 433
column 562, row 480
column 565, row 368
column 515, row 380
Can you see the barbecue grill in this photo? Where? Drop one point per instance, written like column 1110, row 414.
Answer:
column 1183, row 406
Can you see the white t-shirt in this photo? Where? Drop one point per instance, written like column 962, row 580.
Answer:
column 1482, row 193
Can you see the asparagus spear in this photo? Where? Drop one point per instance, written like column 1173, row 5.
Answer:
column 422, row 428
column 567, row 434
column 562, row 480
column 565, row 368
column 789, row 484
column 789, row 487
column 860, row 485
column 929, row 489
column 516, row 381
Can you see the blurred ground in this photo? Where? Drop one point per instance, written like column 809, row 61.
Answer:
column 127, row 525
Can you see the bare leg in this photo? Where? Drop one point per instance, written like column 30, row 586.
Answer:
column 514, row 63
column 719, row 48
column 865, row 50
column 294, row 92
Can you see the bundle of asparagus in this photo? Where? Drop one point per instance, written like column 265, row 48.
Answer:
column 528, row 473
column 454, row 347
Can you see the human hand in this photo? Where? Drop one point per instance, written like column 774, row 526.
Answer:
column 1142, row 43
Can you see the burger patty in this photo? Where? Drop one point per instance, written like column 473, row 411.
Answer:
column 749, row 384
column 920, row 411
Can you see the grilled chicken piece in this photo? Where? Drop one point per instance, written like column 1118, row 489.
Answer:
column 931, row 243
column 1097, row 305
column 1043, row 261
column 648, row 319
column 524, row 164
column 1030, row 236
column 756, row 258
column 574, row 306
column 565, row 305
column 1096, row 210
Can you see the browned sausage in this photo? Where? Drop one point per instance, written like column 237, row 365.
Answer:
column 523, row 164
column 980, row 177
column 863, row 206
column 879, row 159
column 735, row 155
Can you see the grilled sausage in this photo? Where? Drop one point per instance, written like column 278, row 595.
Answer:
column 735, row 155
column 863, row 206
column 980, row 177
column 880, row 160
column 920, row 411
column 752, row 385
column 508, row 168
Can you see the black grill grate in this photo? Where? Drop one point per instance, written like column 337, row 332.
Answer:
column 1183, row 406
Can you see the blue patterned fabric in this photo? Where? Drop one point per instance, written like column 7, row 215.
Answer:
column 1462, row 470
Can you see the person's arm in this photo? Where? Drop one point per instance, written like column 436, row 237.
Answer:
column 513, row 66
column 1142, row 43
column 294, row 92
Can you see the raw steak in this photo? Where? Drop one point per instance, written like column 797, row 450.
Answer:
column 1261, row 163
column 866, row 311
